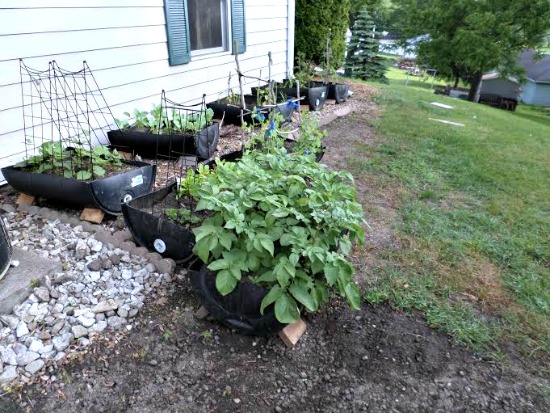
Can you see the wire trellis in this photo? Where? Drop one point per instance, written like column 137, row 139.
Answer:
column 65, row 118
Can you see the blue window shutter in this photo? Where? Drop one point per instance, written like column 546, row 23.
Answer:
column 238, row 27
column 177, row 31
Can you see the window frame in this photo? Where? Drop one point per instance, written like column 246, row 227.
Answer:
column 178, row 38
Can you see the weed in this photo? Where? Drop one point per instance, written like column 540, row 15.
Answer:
column 35, row 283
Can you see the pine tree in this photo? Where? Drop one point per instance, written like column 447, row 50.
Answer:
column 362, row 60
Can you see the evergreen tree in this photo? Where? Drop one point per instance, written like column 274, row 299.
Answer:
column 363, row 61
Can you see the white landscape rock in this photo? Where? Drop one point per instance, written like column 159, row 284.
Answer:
column 74, row 305
column 105, row 306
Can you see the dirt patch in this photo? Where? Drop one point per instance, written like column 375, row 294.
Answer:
column 375, row 359
column 372, row 360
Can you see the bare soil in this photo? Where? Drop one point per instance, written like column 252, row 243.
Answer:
column 373, row 360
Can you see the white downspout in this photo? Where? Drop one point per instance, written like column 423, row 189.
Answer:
column 291, row 11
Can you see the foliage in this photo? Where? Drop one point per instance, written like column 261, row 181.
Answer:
column 385, row 14
column 316, row 20
column 363, row 60
column 468, row 38
column 158, row 121
column 76, row 162
column 284, row 222
column 473, row 257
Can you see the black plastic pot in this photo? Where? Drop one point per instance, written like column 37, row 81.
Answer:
column 151, row 145
column 5, row 249
column 315, row 94
column 157, row 233
column 240, row 309
column 338, row 92
column 232, row 113
column 106, row 194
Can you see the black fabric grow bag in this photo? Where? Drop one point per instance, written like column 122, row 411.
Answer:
column 315, row 94
column 5, row 249
column 106, row 193
column 158, row 233
column 151, row 145
column 239, row 309
column 338, row 92
column 232, row 113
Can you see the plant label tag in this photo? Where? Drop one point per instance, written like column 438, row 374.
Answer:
column 160, row 245
column 137, row 180
column 323, row 94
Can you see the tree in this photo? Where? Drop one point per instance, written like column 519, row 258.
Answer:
column 363, row 61
column 316, row 21
column 467, row 38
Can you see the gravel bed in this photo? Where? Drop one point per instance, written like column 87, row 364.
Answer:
column 104, row 282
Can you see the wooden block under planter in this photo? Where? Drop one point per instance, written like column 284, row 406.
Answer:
column 201, row 313
column 92, row 215
column 292, row 332
column 25, row 199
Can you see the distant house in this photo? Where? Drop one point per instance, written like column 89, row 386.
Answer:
column 494, row 84
column 536, row 89
column 137, row 48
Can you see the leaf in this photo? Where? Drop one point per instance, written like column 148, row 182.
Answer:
column 303, row 297
column 83, row 175
column 267, row 243
column 268, row 277
column 218, row 265
column 353, row 296
column 98, row 171
column 331, row 274
column 271, row 297
column 202, row 250
column 225, row 282
column 286, row 309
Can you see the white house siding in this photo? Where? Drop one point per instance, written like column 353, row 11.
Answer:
column 124, row 43
column 502, row 87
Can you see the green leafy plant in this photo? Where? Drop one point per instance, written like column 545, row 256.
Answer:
column 157, row 120
column 284, row 222
column 76, row 162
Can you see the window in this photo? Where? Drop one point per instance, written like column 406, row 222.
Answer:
column 202, row 26
column 208, row 25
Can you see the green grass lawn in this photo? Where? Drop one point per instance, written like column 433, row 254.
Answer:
column 474, row 217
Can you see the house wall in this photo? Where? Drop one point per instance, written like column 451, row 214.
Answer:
column 124, row 43
column 536, row 93
column 528, row 92
column 502, row 87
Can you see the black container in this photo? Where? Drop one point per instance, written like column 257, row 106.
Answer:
column 232, row 113
column 157, row 233
column 5, row 249
column 240, row 309
column 151, row 145
column 338, row 92
column 106, row 193
column 315, row 94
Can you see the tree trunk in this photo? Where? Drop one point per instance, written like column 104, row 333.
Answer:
column 474, row 86
column 457, row 79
